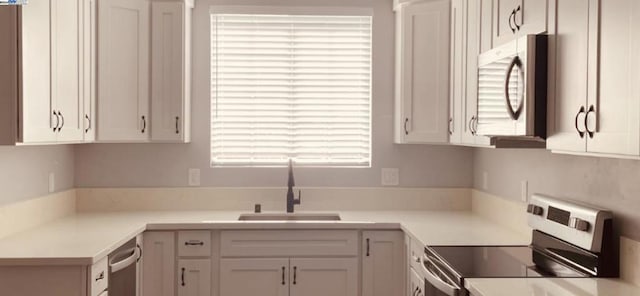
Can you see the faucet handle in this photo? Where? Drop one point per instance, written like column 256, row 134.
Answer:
column 299, row 199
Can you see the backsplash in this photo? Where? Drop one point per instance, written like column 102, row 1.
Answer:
column 21, row 216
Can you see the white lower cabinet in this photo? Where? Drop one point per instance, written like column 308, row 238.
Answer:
column 194, row 277
column 267, row 277
column 416, row 284
column 323, row 276
column 158, row 264
column 383, row 263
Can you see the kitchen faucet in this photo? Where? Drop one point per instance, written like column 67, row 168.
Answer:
column 291, row 200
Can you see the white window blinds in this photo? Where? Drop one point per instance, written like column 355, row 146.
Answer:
column 290, row 86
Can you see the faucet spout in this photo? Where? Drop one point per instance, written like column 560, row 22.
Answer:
column 291, row 199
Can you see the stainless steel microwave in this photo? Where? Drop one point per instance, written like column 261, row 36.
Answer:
column 512, row 90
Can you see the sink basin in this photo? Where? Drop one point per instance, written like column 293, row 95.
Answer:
column 290, row 217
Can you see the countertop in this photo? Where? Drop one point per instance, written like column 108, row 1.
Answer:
column 83, row 239
column 551, row 287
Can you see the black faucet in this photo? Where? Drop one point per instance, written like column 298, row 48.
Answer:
column 291, row 200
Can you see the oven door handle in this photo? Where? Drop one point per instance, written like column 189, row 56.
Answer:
column 124, row 263
column 437, row 282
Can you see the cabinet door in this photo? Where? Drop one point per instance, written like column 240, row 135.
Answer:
column 194, row 277
column 569, row 81
column 503, row 27
column 422, row 77
column 383, row 263
column 254, row 276
column 168, row 66
column 457, row 77
column 66, row 62
column 123, row 65
column 515, row 18
column 37, row 105
column 324, row 276
column 89, row 69
column 616, row 107
column 486, row 24
column 158, row 264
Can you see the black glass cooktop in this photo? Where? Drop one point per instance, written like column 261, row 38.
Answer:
column 500, row 262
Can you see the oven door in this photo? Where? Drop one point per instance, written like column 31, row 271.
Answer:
column 124, row 266
column 437, row 282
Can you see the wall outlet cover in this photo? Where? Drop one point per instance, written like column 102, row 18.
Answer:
column 390, row 177
column 194, row 177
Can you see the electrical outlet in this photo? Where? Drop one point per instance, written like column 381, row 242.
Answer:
column 524, row 187
column 52, row 182
column 390, row 177
column 485, row 181
column 194, row 177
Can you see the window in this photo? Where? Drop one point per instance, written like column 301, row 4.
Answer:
column 290, row 87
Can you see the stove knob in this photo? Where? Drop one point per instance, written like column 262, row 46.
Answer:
column 535, row 210
column 578, row 224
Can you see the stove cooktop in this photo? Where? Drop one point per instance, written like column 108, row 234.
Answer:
column 501, row 262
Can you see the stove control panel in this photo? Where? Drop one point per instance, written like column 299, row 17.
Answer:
column 577, row 223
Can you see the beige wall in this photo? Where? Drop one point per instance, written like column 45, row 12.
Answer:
column 609, row 183
column 24, row 171
column 116, row 165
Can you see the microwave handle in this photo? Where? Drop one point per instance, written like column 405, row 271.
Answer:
column 437, row 282
column 514, row 114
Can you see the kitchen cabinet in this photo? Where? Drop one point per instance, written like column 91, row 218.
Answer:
column 123, row 63
column 158, row 264
column 89, row 69
column 422, row 72
column 516, row 18
column 596, row 97
column 323, row 276
column 466, row 37
column 383, row 263
column 195, row 277
column 416, row 287
column 267, row 277
column 171, row 71
column 145, row 71
column 43, row 74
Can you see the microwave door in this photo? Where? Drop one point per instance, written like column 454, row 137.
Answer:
column 493, row 82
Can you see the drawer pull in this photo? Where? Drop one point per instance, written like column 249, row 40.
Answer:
column 295, row 275
column 194, row 243
column 100, row 276
column 368, row 248
column 182, row 277
column 283, row 282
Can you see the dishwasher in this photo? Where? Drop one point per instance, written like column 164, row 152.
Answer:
column 124, row 269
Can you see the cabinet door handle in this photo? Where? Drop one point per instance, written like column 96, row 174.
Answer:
column 194, row 243
column 515, row 17
column 182, row 277
column 295, row 275
column 100, row 276
column 62, row 124
column 592, row 109
column 283, row 281
column 415, row 292
column 406, row 121
column 177, row 124
column 581, row 133
column 450, row 126
column 368, row 248
column 55, row 128
column 471, row 125
column 144, row 124
column 512, row 17
column 88, row 123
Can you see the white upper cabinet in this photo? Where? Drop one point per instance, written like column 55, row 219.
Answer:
column 422, row 72
column 456, row 82
column 170, row 77
column 515, row 18
column 596, row 95
column 89, row 70
column 123, row 63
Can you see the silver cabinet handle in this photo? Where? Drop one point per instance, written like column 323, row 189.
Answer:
column 194, row 243
column 591, row 110
column 182, row 277
column 581, row 133
column 144, row 124
column 177, row 124
column 406, row 121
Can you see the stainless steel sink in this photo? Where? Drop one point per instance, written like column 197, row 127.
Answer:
column 290, row 217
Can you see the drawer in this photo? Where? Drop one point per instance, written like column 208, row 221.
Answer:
column 416, row 251
column 99, row 278
column 288, row 243
column 194, row 243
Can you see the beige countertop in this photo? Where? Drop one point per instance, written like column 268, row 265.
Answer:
column 550, row 287
column 84, row 239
